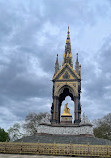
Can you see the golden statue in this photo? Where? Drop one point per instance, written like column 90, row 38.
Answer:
column 66, row 110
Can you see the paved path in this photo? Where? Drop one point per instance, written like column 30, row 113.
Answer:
column 30, row 156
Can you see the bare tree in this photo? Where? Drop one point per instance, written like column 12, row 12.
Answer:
column 14, row 132
column 32, row 121
column 106, row 120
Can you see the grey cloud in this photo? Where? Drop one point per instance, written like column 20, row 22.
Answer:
column 16, row 81
column 105, row 56
column 96, row 85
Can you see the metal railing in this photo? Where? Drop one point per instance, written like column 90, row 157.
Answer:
column 55, row 149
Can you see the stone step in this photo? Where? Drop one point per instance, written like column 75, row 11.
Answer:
column 64, row 139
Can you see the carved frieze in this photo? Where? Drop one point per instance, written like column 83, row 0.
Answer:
column 59, row 87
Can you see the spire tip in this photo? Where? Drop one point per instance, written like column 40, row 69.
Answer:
column 68, row 28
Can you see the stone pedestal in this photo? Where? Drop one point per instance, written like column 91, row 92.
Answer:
column 66, row 119
column 66, row 129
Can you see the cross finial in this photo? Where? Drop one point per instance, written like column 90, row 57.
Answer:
column 77, row 58
column 68, row 28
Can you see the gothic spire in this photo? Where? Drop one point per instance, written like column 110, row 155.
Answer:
column 77, row 59
column 68, row 43
column 77, row 66
column 56, row 65
column 57, row 60
column 68, row 53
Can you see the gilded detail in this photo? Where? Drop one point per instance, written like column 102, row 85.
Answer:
column 66, row 66
column 66, row 111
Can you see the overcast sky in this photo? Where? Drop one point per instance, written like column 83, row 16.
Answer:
column 32, row 32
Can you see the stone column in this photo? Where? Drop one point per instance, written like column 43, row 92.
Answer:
column 79, row 110
column 52, row 110
column 76, row 112
column 59, row 109
column 55, row 110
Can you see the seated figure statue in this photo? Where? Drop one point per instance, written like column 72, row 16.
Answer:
column 66, row 110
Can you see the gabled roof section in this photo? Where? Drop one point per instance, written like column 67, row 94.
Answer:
column 66, row 71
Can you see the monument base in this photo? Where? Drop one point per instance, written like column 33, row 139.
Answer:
column 62, row 129
column 66, row 119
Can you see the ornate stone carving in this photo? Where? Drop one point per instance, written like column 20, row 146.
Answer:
column 66, row 75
